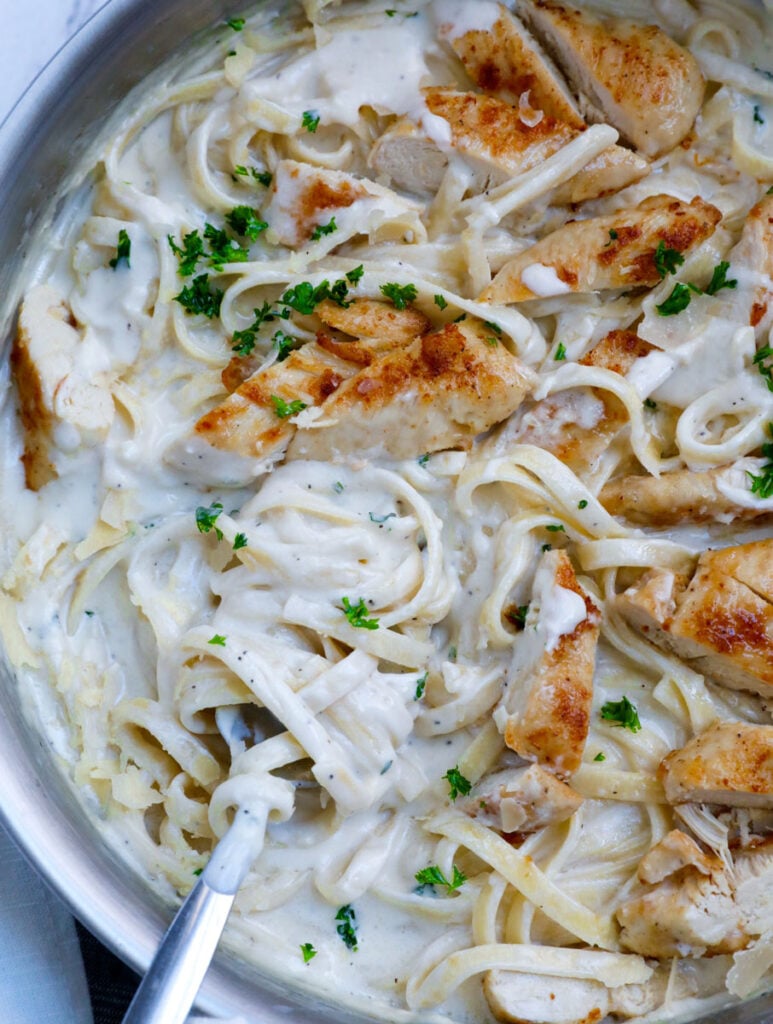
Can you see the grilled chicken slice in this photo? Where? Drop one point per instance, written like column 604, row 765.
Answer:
column 753, row 257
column 545, row 999
column 615, row 251
column 683, row 497
column 521, row 800
column 544, row 714
column 247, row 422
column 304, row 197
column 579, row 424
column 54, row 389
column 675, row 851
column 506, row 61
column 731, row 763
column 497, row 144
column 721, row 622
column 439, row 392
column 632, row 76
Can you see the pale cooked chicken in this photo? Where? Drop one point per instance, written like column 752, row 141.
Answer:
column 578, row 425
column 615, row 251
column 675, row 851
column 439, row 392
column 632, row 76
column 680, row 497
column 544, row 714
column 754, row 254
column 305, row 198
column 497, row 144
column 731, row 763
column 54, row 388
column 545, row 999
column 721, row 623
column 521, row 800
column 506, row 61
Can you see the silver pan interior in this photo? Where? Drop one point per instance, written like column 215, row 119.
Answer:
column 42, row 143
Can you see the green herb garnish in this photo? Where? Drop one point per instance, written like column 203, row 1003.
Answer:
column 310, row 120
column 612, row 238
column 599, row 757
column 222, row 248
column 284, row 409
column 245, row 221
column 284, row 345
column 719, row 279
column 189, row 255
column 347, row 928
column 765, row 369
column 621, row 712
column 433, row 876
column 457, row 783
column 355, row 276
column 667, row 260
column 240, row 541
column 518, row 615
column 650, row 404
column 324, row 229
column 440, row 302
column 758, row 118
column 308, row 952
column 357, row 614
column 244, row 341
column 560, row 353
column 123, row 250
column 399, row 294
column 237, row 24
column 206, row 518
column 421, row 683
column 678, row 300
column 555, row 528
column 582, row 504
column 217, row 640
column 762, row 485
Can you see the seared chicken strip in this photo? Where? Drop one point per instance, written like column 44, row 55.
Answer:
column 579, row 424
column 54, row 390
column 304, row 198
column 721, row 623
column 753, row 256
column 632, row 76
column 544, row 714
column 675, row 851
column 497, row 144
column 439, row 392
column 521, row 800
column 731, row 763
column 615, row 251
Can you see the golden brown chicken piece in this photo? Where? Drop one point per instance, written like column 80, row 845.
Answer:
column 521, row 800
column 506, row 61
column 544, row 714
column 579, row 424
column 53, row 389
column 440, row 391
column 731, row 763
column 497, row 144
column 754, row 253
column 721, row 622
column 615, row 251
column 680, row 497
column 675, row 851
column 632, row 76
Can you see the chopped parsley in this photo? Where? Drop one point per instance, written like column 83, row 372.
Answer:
column 244, row 220
column 452, row 653
column 390, row 13
column 765, row 368
column 769, row 191
column 206, row 519
column 650, row 404
column 517, row 615
column 440, row 302
column 284, row 409
column 217, row 640
column 305, row 297
column 555, row 528
column 719, row 279
column 421, row 683
column 433, row 876
column 678, row 300
column 347, row 929
column 123, row 250
column 310, row 120
column 263, row 177
column 560, row 353
column 324, row 229
column 382, row 519
column 240, row 541
column 357, row 614
column 241, row 170
column 198, row 871
column 762, row 485
column 491, row 341
column 423, row 459
column 612, row 238
column 399, row 294
column 223, row 249
column 546, row 547
column 758, row 118
column 308, row 952
column 338, row 487
column 667, row 260
column 244, row 341
column 198, row 297
column 599, row 757
column 493, row 327
column 462, row 316
column 457, row 784
column 237, row 24
column 582, row 504
column 355, row 276
column 189, row 255
column 621, row 712
column 284, row 344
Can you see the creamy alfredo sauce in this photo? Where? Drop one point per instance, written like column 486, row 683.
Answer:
column 322, row 645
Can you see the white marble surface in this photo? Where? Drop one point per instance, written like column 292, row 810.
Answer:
column 31, row 34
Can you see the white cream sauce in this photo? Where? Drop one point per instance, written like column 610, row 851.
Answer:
column 543, row 280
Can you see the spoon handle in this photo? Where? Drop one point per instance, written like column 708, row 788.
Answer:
column 169, row 988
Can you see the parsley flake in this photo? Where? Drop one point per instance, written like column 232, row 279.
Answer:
column 246, row 222
column 237, row 24
column 678, row 300
column 766, row 370
column 650, row 404
column 719, row 279
column 263, row 177
column 206, row 518
column 305, row 297
column 493, row 327
column 347, row 929
column 612, row 238
column 621, row 712
column 310, row 120
column 421, row 683
column 240, row 541
column 432, row 876
column 217, row 640
column 338, row 487
column 758, row 118
column 599, row 757
column 241, row 170
column 355, row 276
column 382, row 519
column 198, row 872
column 457, row 784
column 284, row 345
column 197, row 297
column 284, row 409
column 560, row 353
column 667, row 260
column 324, row 229
column 423, row 459
column 517, row 615
column 399, row 294
column 440, row 302
column 189, row 255
column 123, row 250
column 582, row 504
column 222, row 248
column 244, row 341
column 308, row 952
column 762, row 485
column 357, row 614
column 555, row 528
